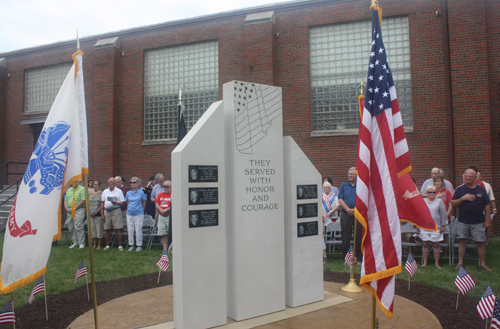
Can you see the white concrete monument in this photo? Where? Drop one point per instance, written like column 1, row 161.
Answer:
column 254, row 200
column 303, row 228
column 199, row 225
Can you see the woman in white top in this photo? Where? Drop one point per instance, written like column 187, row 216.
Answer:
column 440, row 216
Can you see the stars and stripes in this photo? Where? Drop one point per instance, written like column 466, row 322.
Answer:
column 495, row 321
column 382, row 157
column 411, row 265
column 7, row 313
column 82, row 270
column 487, row 303
column 39, row 287
column 349, row 258
column 464, row 282
column 163, row 263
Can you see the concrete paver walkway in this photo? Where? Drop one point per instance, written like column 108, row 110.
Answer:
column 153, row 309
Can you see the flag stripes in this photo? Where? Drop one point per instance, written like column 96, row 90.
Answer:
column 464, row 282
column 486, row 304
column 7, row 313
column 82, row 270
column 163, row 262
column 39, row 287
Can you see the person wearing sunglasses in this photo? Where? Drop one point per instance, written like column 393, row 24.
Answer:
column 163, row 205
column 438, row 211
column 136, row 202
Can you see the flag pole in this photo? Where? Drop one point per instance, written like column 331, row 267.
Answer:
column 458, row 295
column 409, row 279
column 352, row 286
column 374, row 312
column 45, row 295
column 91, row 252
column 159, row 273
column 13, row 313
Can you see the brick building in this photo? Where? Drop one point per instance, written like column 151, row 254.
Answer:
column 444, row 54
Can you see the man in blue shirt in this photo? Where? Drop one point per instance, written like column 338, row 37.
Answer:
column 347, row 201
column 473, row 217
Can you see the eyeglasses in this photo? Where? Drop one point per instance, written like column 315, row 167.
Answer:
column 431, row 192
column 133, row 182
column 167, row 186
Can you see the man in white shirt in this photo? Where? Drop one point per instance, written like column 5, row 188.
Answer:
column 111, row 200
column 434, row 173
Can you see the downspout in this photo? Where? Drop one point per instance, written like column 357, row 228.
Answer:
column 449, row 99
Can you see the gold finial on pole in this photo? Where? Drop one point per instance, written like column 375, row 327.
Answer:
column 77, row 41
column 361, row 88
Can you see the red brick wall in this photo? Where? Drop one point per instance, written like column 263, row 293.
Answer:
column 115, row 86
column 3, row 111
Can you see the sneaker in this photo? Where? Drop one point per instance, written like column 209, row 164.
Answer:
column 139, row 249
column 73, row 245
column 131, row 249
column 120, row 248
column 81, row 246
column 107, row 248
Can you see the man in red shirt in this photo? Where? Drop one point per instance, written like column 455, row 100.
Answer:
column 163, row 203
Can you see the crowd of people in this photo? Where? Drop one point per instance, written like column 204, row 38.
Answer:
column 116, row 205
column 473, row 199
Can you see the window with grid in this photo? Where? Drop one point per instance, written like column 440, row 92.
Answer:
column 42, row 85
column 192, row 68
column 339, row 62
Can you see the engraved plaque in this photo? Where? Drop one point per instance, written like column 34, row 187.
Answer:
column 208, row 195
column 203, row 218
column 307, row 192
column 203, row 174
column 307, row 229
column 306, row 210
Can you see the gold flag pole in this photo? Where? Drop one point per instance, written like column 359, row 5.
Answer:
column 13, row 312
column 352, row 286
column 89, row 230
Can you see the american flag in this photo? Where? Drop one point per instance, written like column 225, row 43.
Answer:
column 349, row 257
column 486, row 304
column 382, row 157
column 411, row 265
column 464, row 282
column 7, row 313
column 39, row 287
column 495, row 321
column 82, row 270
column 163, row 263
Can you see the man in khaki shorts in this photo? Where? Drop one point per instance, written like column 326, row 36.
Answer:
column 163, row 203
column 112, row 199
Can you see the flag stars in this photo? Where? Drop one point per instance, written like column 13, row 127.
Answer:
column 378, row 35
column 377, row 62
column 370, row 77
column 376, row 90
column 381, row 106
column 371, row 66
column 380, row 78
column 372, row 54
column 373, row 42
column 381, row 50
column 370, row 102
column 370, row 90
column 386, row 94
column 384, row 66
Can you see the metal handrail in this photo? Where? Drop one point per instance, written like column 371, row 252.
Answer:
column 17, row 190
column 7, row 173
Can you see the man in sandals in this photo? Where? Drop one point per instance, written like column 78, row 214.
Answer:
column 473, row 217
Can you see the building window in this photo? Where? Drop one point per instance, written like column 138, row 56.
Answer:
column 339, row 62
column 42, row 85
column 192, row 68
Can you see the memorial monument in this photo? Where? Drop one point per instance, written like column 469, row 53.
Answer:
column 234, row 206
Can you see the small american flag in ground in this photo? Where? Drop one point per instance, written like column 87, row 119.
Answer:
column 82, row 270
column 495, row 322
column 486, row 304
column 464, row 282
column 411, row 265
column 39, row 287
column 7, row 313
column 349, row 258
column 163, row 263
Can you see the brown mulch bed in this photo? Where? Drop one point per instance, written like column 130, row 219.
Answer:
column 65, row 307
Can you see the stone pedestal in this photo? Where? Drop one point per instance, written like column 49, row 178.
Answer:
column 199, row 225
column 254, row 200
column 303, row 227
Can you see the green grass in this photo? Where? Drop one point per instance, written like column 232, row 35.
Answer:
column 109, row 265
column 444, row 278
column 112, row 264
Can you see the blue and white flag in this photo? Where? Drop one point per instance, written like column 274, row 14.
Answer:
column 60, row 157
